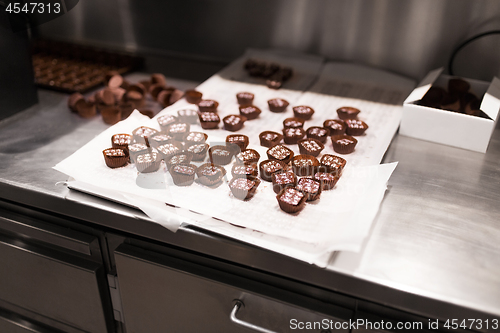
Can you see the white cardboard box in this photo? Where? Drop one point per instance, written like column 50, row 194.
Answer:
column 451, row 128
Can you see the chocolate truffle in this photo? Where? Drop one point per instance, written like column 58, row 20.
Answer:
column 283, row 179
column 220, row 155
column 303, row 112
column 199, row 151
column 250, row 111
column 310, row 146
column 348, row 112
column 318, row 133
column 245, row 98
column 291, row 200
column 209, row 120
column 247, row 170
column 237, row 142
column 280, row 153
column 193, row 96
column 332, row 164
column 268, row 168
column 293, row 122
column 343, row 144
column 183, row 174
column 248, row 156
column 121, row 141
column 178, row 131
column 277, row 105
column 335, row 126
column 195, row 138
column 148, row 162
column 169, row 149
column 159, row 139
column 208, row 105
column 327, row 180
column 244, row 188
column 293, row 135
column 142, row 133
column 269, row 138
column 210, row 174
column 355, row 127
column 310, row 187
column 115, row 157
column 304, row 165
column 189, row 116
column 233, row 122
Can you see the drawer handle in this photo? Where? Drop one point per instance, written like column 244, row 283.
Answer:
column 244, row 323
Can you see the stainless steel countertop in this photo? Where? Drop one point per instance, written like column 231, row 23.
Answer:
column 433, row 249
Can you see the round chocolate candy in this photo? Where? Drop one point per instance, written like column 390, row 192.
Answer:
column 277, row 105
column 250, row 111
column 302, row 111
column 310, row 146
column 115, row 157
column 304, row 165
column 343, row 144
column 245, row 98
column 348, row 112
column 293, row 135
column 293, row 122
column 208, row 105
column 270, row 139
column 335, row 126
column 233, row 122
column 318, row 133
column 355, row 127
column 193, row 96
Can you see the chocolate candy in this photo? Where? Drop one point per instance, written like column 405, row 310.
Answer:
column 199, row 151
column 220, row 155
column 193, row 96
column 195, row 138
column 355, row 127
column 85, row 109
column 343, row 144
column 165, row 121
column 293, row 135
column 121, row 141
column 159, row 139
column 302, row 111
column 142, row 133
column 178, row 131
column 189, row 116
column 183, row 174
column 208, row 105
column 209, row 120
column 348, row 112
column 248, row 156
column 291, row 200
column 269, row 138
column 210, row 174
column 233, row 122
column 277, row 105
column 327, row 180
column 237, row 142
column 293, row 122
column 115, row 157
column 318, row 133
column 250, row 111
column 247, row 170
column 280, row 153
column 169, row 149
column 304, row 165
column 245, row 98
column 268, row 168
column 178, row 158
column 136, row 149
column 332, row 164
column 244, row 188
column 335, row 126
column 310, row 146
column 283, row 179
column 310, row 187
column 148, row 162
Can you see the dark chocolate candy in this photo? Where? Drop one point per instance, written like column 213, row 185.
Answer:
column 283, row 179
column 210, row 174
column 247, row 170
column 121, row 141
column 310, row 187
column 148, row 162
column 199, row 151
column 277, row 105
column 303, row 111
column 142, row 133
column 195, row 138
column 343, row 144
column 245, row 98
column 189, row 116
column 136, row 149
column 115, row 157
column 318, row 133
column 335, row 126
column 332, row 164
column 169, row 149
column 326, row 179
column 293, row 122
column 310, row 146
column 178, row 131
column 348, row 112
column 291, row 200
column 250, row 111
column 280, row 153
column 355, row 127
column 178, row 158
column 269, row 138
column 293, row 135
column 238, row 142
column 193, row 96
column 183, row 174
column 208, row 105
column 268, row 168
column 159, row 139
column 209, row 120
column 248, row 156
column 220, row 155
column 244, row 188
column 304, row 165
column 233, row 122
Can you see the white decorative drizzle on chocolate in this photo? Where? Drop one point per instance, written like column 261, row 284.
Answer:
column 209, row 116
column 242, row 184
column 166, row 120
column 196, row 149
column 121, row 139
column 115, row 152
column 273, row 166
column 183, row 169
column 147, row 158
column 291, row 196
column 354, row 123
column 308, row 185
column 284, row 178
column 311, row 145
column 196, row 137
column 232, row 120
column 279, row 152
column 220, row 152
column 168, row 149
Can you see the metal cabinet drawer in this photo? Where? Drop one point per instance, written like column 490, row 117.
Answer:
column 164, row 294
column 60, row 284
